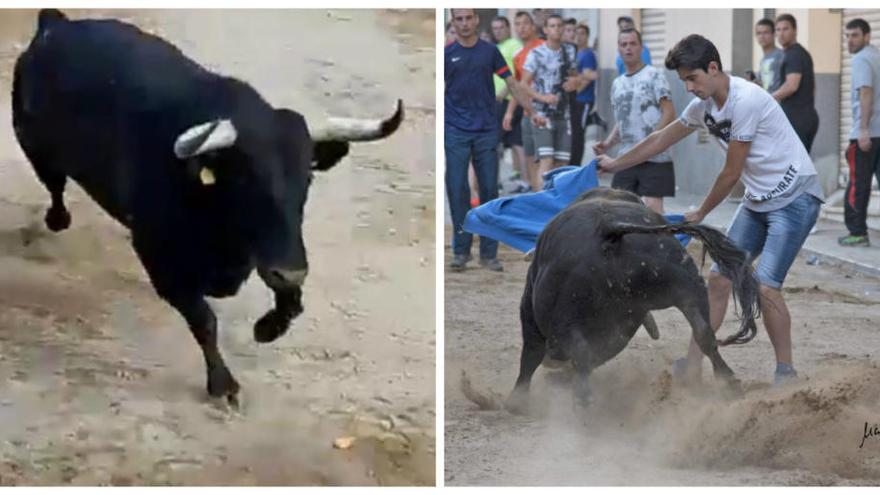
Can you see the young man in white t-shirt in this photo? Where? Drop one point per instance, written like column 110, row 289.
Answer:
column 782, row 194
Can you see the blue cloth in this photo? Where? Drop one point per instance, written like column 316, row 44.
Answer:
column 586, row 59
column 470, row 89
column 646, row 58
column 518, row 220
column 462, row 147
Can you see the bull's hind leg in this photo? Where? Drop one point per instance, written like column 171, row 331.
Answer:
column 534, row 347
column 694, row 304
column 57, row 217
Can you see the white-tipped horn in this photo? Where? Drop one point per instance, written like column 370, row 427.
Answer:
column 345, row 129
column 205, row 137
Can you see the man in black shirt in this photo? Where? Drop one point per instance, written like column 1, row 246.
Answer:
column 798, row 91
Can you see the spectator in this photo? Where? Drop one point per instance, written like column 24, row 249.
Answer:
column 768, row 71
column 798, row 90
column 568, row 30
column 642, row 104
column 471, row 128
column 624, row 23
column 583, row 102
column 450, row 34
column 863, row 152
column 525, row 30
column 511, row 138
column 782, row 194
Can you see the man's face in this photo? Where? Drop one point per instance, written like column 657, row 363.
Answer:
column 581, row 38
column 524, row 27
column 500, row 31
column 764, row 35
column 465, row 22
column 699, row 82
column 568, row 33
column 553, row 29
column 629, row 47
column 623, row 25
column 856, row 40
column 785, row 33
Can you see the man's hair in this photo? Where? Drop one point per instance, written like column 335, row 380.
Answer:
column 552, row 16
column 625, row 18
column 627, row 31
column 584, row 27
column 766, row 22
column 859, row 24
column 571, row 20
column 523, row 13
column 503, row 19
column 452, row 11
column 787, row 18
column 691, row 53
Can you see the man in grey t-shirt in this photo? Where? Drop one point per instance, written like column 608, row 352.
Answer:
column 768, row 70
column 863, row 152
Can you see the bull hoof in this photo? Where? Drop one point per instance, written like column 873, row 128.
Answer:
column 517, row 402
column 57, row 219
column 221, row 384
column 269, row 327
column 734, row 389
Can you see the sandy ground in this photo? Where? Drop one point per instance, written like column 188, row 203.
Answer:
column 102, row 383
column 643, row 428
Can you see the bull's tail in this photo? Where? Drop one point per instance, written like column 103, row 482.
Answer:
column 732, row 263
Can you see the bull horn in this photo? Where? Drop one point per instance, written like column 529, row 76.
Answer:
column 345, row 129
column 205, row 137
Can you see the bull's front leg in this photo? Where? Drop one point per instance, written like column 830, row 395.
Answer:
column 276, row 321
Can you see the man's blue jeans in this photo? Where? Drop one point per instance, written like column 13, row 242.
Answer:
column 461, row 147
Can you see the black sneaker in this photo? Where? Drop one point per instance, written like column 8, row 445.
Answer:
column 492, row 264
column 459, row 261
column 853, row 240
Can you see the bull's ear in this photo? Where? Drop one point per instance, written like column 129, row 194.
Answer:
column 327, row 154
column 205, row 137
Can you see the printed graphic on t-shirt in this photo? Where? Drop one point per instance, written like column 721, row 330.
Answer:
column 721, row 130
column 547, row 67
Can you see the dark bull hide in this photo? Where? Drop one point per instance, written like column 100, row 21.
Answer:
column 600, row 266
column 211, row 180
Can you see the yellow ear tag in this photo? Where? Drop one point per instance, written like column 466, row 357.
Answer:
column 206, row 175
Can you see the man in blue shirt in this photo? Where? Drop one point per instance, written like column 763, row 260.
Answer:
column 583, row 102
column 625, row 22
column 471, row 129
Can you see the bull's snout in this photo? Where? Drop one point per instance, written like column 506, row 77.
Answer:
column 281, row 278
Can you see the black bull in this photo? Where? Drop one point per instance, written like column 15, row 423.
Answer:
column 600, row 266
column 210, row 179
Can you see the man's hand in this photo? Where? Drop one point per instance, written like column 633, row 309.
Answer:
column 864, row 140
column 694, row 216
column 604, row 163
column 571, row 83
column 507, row 122
column 539, row 121
column 601, row 147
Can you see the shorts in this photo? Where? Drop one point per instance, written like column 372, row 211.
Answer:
column 650, row 179
column 513, row 137
column 554, row 140
column 776, row 236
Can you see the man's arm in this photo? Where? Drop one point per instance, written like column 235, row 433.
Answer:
column 656, row 142
column 737, row 151
column 667, row 115
column 585, row 78
column 789, row 87
column 527, row 77
column 602, row 147
column 866, row 103
column 521, row 92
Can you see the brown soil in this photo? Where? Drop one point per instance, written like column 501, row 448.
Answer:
column 101, row 381
column 644, row 428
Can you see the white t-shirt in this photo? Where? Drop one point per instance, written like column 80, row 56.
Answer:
column 636, row 102
column 777, row 158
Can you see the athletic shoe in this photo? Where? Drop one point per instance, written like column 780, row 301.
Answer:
column 492, row 264
column 784, row 375
column 854, row 241
column 459, row 261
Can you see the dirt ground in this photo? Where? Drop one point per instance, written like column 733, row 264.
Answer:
column 643, row 428
column 102, row 383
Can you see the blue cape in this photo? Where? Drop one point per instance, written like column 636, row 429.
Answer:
column 518, row 220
